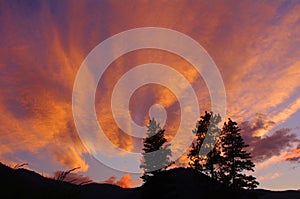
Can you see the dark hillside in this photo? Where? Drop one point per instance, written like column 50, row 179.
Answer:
column 187, row 183
column 175, row 184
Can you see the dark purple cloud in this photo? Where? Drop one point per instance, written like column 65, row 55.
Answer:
column 263, row 148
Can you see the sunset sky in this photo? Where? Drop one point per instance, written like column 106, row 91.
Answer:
column 255, row 45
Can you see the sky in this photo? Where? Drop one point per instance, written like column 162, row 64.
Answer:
column 254, row 44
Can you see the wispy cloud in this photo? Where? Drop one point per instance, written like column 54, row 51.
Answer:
column 269, row 176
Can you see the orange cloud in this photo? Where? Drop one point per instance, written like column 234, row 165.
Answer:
column 292, row 156
column 125, row 181
column 34, row 102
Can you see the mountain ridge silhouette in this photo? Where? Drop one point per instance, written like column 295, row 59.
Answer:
column 174, row 183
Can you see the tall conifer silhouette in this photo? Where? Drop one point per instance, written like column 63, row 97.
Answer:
column 156, row 154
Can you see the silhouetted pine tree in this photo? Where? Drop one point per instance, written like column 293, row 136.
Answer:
column 235, row 159
column 212, row 162
column 206, row 127
column 157, row 154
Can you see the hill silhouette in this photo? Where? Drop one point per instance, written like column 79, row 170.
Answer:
column 175, row 183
